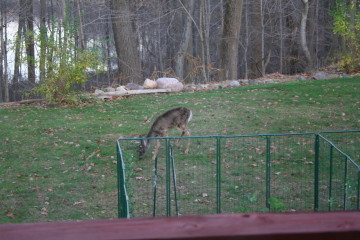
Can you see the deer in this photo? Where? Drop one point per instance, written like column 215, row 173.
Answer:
column 177, row 117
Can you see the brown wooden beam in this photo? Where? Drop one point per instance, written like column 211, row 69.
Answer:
column 330, row 225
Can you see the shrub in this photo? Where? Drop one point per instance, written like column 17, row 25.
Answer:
column 347, row 25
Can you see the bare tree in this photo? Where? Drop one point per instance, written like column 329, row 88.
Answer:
column 230, row 39
column 257, row 39
column 185, row 41
column 19, row 38
column 29, row 40
column 303, row 40
column 1, row 54
column 43, row 40
column 125, row 42
column 82, row 42
column 4, row 84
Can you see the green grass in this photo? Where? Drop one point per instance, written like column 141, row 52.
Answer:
column 59, row 164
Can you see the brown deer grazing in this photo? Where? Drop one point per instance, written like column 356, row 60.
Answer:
column 177, row 117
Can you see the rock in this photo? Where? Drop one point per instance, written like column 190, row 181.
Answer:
column 234, row 83
column 109, row 89
column 344, row 75
column 332, row 76
column 300, row 78
column 189, row 87
column 224, row 85
column 105, row 97
column 253, row 82
column 134, row 86
column 268, row 81
column 121, row 89
column 214, row 86
column 320, row 76
column 98, row 91
column 244, row 82
column 169, row 83
column 149, row 84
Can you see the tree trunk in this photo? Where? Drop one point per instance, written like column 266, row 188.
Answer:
column 304, row 16
column 281, row 33
column 257, row 41
column 43, row 40
column 1, row 53
column 82, row 41
column 19, row 37
column 202, row 32
column 160, row 46
column 51, row 39
column 108, row 50
column 184, row 44
column 230, row 39
column 245, row 43
column 4, row 50
column 30, row 45
column 125, row 42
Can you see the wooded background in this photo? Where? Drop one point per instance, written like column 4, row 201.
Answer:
column 196, row 41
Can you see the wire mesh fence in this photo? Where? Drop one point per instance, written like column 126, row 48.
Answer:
column 236, row 174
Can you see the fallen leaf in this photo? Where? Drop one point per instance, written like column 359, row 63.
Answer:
column 44, row 211
column 79, row 202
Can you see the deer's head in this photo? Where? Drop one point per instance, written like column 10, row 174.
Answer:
column 143, row 146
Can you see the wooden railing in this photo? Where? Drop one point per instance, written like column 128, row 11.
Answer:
column 330, row 225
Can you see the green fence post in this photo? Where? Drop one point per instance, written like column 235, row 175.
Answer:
column 155, row 186
column 330, row 176
column 316, row 173
column 345, row 182
column 268, row 165
column 168, row 179
column 358, row 190
column 218, row 176
column 119, row 181
column 174, row 180
column 123, row 201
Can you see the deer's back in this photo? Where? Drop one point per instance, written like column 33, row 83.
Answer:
column 176, row 117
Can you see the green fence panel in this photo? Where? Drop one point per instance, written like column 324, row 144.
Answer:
column 339, row 177
column 347, row 141
column 236, row 174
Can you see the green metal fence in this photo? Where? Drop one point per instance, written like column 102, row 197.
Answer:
column 236, row 174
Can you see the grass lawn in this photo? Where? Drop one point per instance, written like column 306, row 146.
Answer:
column 59, row 164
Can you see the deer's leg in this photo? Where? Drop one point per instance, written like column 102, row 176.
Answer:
column 185, row 129
column 156, row 149
column 188, row 141
column 182, row 130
